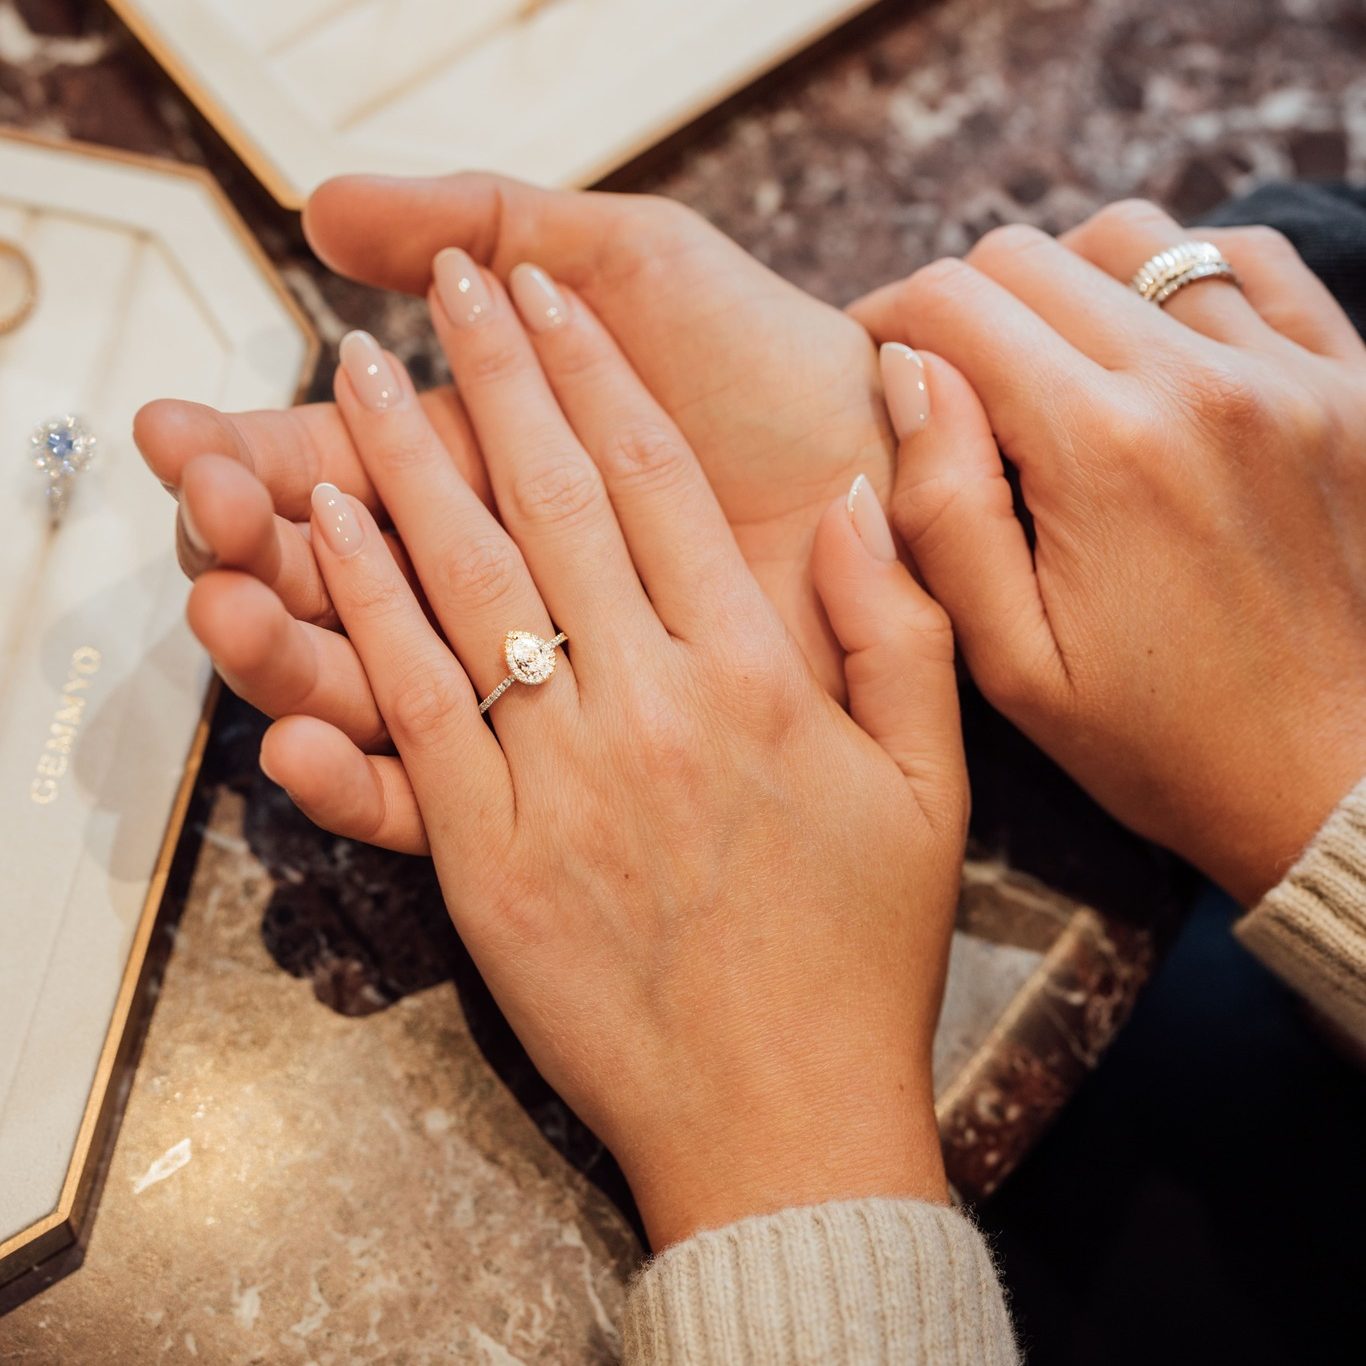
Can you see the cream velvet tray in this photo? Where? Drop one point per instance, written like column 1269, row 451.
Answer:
column 555, row 91
column 148, row 284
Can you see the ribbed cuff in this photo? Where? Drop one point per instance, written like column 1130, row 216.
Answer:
column 841, row 1284
column 1310, row 929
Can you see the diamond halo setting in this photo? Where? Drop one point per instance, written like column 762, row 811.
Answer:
column 530, row 660
column 61, row 448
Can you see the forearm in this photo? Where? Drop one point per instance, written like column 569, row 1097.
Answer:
column 1310, row 929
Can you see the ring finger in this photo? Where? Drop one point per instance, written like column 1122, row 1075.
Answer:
column 473, row 573
column 1122, row 237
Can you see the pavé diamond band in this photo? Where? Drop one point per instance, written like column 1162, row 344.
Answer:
column 530, row 660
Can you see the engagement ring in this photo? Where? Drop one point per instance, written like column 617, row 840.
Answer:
column 530, row 660
column 61, row 448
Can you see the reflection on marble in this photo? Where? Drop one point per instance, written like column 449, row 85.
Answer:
column 294, row 1184
column 343, row 1158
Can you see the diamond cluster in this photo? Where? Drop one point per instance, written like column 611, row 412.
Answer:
column 62, row 447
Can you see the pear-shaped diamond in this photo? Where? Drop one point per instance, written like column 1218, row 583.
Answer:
column 530, row 659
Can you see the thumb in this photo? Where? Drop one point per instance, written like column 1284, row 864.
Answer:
column 898, row 646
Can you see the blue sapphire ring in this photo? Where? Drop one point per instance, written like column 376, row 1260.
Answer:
column 61, row 448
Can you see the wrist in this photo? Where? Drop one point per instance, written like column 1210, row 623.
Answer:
column 711, row 1174
column 1253, row 845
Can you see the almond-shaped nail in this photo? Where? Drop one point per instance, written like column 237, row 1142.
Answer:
column 539, row 302
column 337, row 520
column 460, row 287
column 369, row 370
column 903, row 384
column 869, row 520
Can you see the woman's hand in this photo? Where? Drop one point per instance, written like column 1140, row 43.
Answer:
column 776, row 393
column 715, row 908
column 1188, row 637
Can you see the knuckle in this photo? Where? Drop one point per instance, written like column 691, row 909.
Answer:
column 938, row 289
column 404, row 450
column 481, row 573
column 927, row 625
column 375, row 595
column 1132, row 213
column 498, row 357
column 939, row 277
column 1225, row 397
column 644, row 451
column 645, row 238
column 578, row 354
column 1263, row 241
column 1310, row 425
column 663, row 731
column 556, row 491
column 422, row 703
column 1009, row 242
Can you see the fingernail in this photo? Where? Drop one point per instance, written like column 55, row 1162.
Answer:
column 903, row 384
column 460, row 287
column 368, row 369
column 193, row 536
column 538, row 301
column 171, row 489
column 265, row 768
column 337, row 520
column 869, row 520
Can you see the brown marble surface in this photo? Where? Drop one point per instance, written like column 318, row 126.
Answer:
column 333, row 1150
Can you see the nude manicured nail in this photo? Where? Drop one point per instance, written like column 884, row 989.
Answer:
column 538, row 301
column 337, row 520
column 903, row 384
column 869, row 520
column 369, row 370
column 193, row 536
column 460, row 287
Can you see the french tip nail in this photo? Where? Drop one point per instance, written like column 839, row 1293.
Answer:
column 860, row 480
column 337, row 520
column 370, row 371
column 460, row 287
column 900, row 351
column 192, row 533
column 905, row 387
column 869, row 521
column 537, row 297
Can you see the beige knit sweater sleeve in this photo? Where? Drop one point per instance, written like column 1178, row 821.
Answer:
column 841, row 1284
column 1310, row 929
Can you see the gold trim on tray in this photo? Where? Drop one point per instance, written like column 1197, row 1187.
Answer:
column 25, row 1252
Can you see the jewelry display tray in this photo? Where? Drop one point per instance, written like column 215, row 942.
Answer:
column 148, row 284
column 555, row 91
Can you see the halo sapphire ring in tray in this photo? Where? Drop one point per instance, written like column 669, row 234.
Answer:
column 61, row 448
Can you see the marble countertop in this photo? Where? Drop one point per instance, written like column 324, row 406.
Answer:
column 333, row 1150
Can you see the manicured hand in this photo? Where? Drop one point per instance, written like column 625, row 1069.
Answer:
column 1188, row 635
column 715, row 908
column 776, row 392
